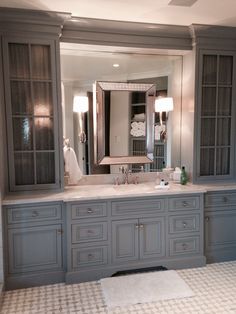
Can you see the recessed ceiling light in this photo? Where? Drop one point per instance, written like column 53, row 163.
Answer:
column 116, row 65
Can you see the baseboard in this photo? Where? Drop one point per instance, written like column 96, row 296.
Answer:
column 92, row 274
column 34, row 280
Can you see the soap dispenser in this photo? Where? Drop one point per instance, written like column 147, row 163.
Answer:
column 183, row 176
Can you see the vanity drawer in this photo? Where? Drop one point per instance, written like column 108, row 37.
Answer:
column 137, row 207
column 220, row 199
column 82, row 257
column 89, row 232
column 181, row 224
column 34, row 213
column 88, row 210
column 184, row 203
column 188, row 245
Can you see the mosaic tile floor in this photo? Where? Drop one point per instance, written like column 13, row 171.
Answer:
column 214, row 287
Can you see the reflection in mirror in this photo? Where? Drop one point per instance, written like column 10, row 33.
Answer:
column 82, row 65
column 115, row 127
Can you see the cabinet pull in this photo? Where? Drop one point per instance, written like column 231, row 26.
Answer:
column 141, row 226
column 184, row 224
column 136, row 226
column 207, row 219
column 90, row 256
column 185, row 203
column 225, row 199
column 35, row 214
column 89, row 211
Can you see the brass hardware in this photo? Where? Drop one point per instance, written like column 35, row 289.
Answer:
column 89, row 211
column 35, row 214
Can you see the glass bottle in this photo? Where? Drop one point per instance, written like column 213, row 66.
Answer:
column 183, row 176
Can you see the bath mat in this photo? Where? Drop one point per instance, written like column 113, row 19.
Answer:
column 144, row 288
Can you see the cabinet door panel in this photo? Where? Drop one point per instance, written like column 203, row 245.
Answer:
column 125, row 240
column 220, row 231
column 34, row 249
column 152, row 237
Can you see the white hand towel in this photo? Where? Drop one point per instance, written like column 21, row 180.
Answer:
column 71, row 166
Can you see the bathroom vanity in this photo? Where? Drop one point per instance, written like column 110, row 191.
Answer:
column 78, row 236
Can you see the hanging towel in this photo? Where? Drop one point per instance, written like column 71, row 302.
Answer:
column 71, row 165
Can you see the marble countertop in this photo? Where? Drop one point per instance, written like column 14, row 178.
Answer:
column 108, row 191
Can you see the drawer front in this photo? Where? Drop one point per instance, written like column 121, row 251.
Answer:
column 34, row 213
column 184, row 203
column 181, row 246
column 89, row 232
column 137, row 207
column 180, row 224
column 220, row 199
column 82, row 257
column 88, row 210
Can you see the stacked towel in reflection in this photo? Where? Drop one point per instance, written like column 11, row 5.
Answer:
column 138, row 129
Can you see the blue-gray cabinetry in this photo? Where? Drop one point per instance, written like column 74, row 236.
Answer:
column 220, row 226
column 104, row 237
column 34, row 244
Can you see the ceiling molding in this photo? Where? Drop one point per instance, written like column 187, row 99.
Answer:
column 127, row 34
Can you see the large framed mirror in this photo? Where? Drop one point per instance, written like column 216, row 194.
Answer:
column 82, row 65
column 114, row 117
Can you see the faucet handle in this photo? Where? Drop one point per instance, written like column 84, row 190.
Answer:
column 116, row 179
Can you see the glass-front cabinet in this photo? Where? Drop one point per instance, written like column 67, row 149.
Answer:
column 216, row 118
column 31, row 109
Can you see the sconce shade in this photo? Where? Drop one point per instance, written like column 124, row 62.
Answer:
column 164, row 104
column 80, row 104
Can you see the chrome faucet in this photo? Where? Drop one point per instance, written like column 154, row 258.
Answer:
column 125, row 173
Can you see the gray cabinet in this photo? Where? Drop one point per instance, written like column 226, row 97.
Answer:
column 31, row 93
column 215, row 116
column 34, row 244
column 34, row 249
column 135, row 239
column 220, row 230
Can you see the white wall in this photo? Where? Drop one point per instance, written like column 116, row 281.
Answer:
column 119, row 125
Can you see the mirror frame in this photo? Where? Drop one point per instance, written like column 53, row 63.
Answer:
column 99, row 122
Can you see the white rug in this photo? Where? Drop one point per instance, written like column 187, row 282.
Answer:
column 144, row 288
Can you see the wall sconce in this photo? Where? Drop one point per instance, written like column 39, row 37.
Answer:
column 163, row 104
column 80, row 105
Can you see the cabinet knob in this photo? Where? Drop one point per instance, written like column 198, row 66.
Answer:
column 185, row 203
column 90, row 256
column 141, row 226
column 184, row 224
column 207, row 219
column 89, row 211
column 136, row 226
column 35, row 213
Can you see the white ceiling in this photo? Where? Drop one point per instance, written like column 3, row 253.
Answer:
column 214, row 12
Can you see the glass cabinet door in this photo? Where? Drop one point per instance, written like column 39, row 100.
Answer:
column 31, row 110
column 216, row 116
